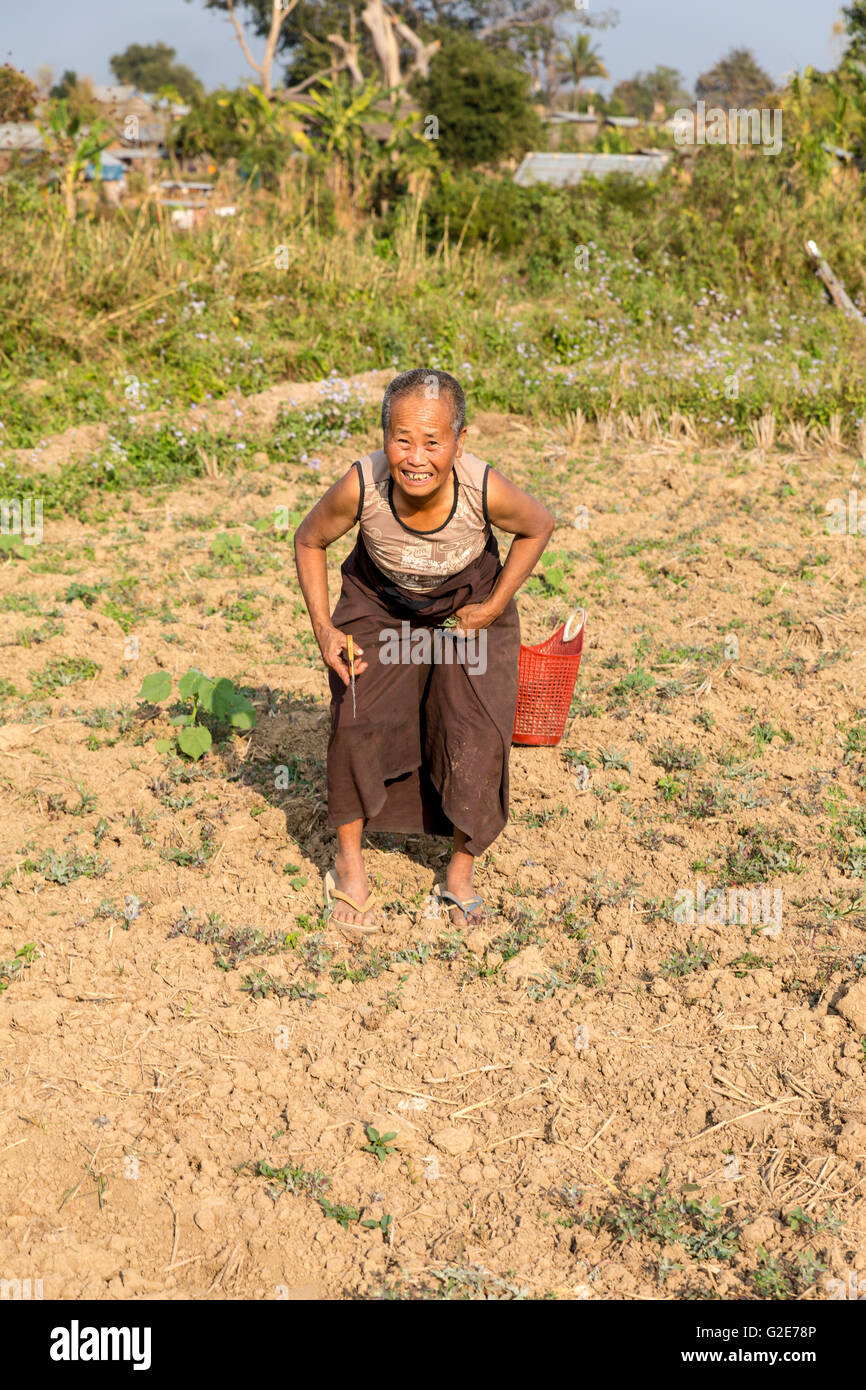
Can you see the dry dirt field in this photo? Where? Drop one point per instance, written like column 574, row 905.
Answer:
column 190, row 1058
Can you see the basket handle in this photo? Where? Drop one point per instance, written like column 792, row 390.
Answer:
column 567, row 634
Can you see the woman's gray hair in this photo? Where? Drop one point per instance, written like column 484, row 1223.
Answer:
column 429, row 382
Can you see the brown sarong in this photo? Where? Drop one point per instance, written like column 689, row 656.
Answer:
column 428, row 749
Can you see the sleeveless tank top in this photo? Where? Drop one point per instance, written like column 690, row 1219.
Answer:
column 421, row 560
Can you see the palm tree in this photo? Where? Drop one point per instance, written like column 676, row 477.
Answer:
column 582, row 61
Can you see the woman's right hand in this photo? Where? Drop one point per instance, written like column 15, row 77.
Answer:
column 332, row 643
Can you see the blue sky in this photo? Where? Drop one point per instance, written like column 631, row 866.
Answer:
column 83, row 34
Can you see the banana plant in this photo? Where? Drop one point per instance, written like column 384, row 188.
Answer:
column 338, row 114
column 76, row 147
column 237, row 123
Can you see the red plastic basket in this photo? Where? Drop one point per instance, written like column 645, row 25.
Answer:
column 547, row 676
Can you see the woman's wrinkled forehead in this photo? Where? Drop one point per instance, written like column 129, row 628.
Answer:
column 420, row 409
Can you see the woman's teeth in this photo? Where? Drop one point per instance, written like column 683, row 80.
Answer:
column 416, row 477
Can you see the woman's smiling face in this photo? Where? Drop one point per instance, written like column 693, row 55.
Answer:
column 420, row 445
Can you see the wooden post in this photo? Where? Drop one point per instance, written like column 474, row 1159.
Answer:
column 833, row 284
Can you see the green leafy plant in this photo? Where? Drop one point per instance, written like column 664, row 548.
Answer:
column 379, row 1143
column 291, row 1178
column 202, row 696
column 67, row 866
column 658, row 1215
column 383, row 1224
column 73, row 146
column 676, row 757
column 759, row 853
column 339, row 1212
column 11, row 969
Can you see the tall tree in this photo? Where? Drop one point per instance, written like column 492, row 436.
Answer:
column 648, row 93
column 149, row 66
column 481, row 101
column 735, row 80
column 396, row 42
column 269, row 17
column 18, row 95
column 61, row 89
column 77, row 95
column 854, row 56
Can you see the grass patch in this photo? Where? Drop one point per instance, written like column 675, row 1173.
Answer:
column 63, row 671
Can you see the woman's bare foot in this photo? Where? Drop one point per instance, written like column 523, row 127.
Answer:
column 458, row 880
column 351, row 879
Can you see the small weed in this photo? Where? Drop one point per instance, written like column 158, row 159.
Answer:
column 341, row 1213
column 759, row 853
column 366, row 969
column 295, row 1180
column 749, row 961
column 706, row 803
column 669, row 788
column 260, row 985
column 637, row 682
column 676, row 757
column 379, row 1144
column 781, row 1282
column 68, row 866
column 455, row 1283
column 11, row 969
column 802, row 1224
column 185, row 857
column 659, row 1216
column 231, row 945
column 614, row 758
column 695, row 957
column 536, row 819
column 508, row 945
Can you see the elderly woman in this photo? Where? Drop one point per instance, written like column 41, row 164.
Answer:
column 420, row 740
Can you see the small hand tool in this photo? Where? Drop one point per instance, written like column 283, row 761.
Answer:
column 351, row 647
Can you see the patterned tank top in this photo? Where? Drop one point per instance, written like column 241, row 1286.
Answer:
column 421, row 560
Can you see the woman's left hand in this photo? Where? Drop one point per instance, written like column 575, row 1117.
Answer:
column 474, row 616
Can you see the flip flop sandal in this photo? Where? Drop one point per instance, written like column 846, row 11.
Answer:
column 358, row 931
column 449, row 900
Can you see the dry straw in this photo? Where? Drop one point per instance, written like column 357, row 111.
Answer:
column 798, row 438
column 606, row 428
column 681, row 428
column 763, row 431
column 573, row 428
column 830, row 436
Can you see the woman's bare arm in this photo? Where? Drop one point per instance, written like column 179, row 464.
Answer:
column 528, row 520
column 333, row 515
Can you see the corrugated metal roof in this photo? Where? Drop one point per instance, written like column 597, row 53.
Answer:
column 134, row 152
column 20, row 135
column 114, row 93
column 571, row 168
column 572, row 117
column 186, row 185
